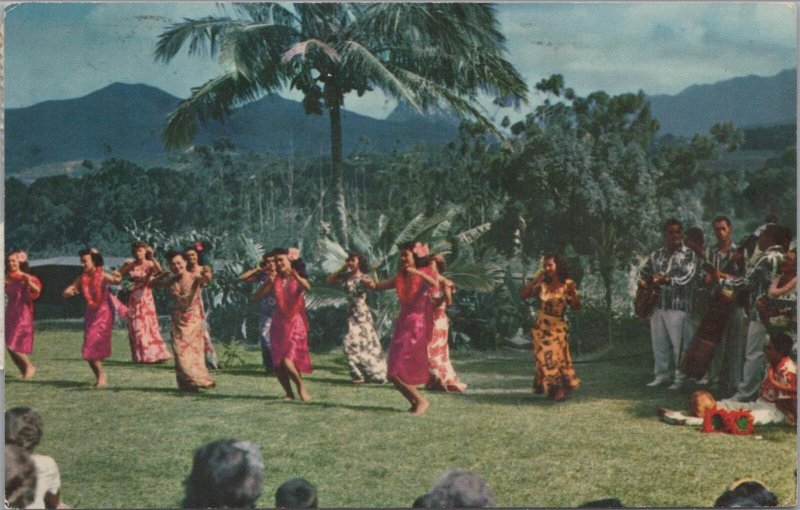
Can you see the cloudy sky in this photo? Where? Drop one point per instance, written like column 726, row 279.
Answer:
column 58, row 51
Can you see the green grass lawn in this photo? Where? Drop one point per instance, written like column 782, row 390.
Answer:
column 131, row 445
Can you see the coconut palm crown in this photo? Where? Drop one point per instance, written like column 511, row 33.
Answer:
column 430, row 56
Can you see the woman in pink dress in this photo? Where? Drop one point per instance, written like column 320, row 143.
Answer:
column 408, row 352
column 98, row 319
column 144, row 333
column 196, row 266
column 22, row 289
column 187, row 327
column 289, row 330
column 441, row 376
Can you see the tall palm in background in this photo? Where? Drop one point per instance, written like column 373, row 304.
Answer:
column 430, row 56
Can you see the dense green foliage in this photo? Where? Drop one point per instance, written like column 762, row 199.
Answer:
column 131, row 445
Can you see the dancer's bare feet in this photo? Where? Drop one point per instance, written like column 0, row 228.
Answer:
column 29, row 372
column 288, row 398
column 421, row 407
column 358, row 381
column 304, row 395
column 102, row 381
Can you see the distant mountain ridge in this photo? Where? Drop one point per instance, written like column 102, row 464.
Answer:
column 126, row 121
column 746, row 101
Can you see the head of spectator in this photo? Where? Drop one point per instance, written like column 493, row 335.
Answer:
column 225, row 473
column 603, row 503
column 23, row 427
column 775, row 235
column 722, row 228
column 459, row 489
column 296, row 493
column 20, row 477
column 746, row 493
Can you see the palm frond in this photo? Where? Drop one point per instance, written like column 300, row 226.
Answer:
column 213, row 100
column 427, row 227
column 359, row 61
column 321, row 296
column 332, row 255
column 252, row 249
column 303, row 48
column 360, row 241
column 266, row 12
column 255, row 50
column 408, row 232
column 479, row 276
column 202, row 34
column 471, row 235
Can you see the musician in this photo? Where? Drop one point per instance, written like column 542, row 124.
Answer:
column 773, row 243
column 671, row 267
column 726, row 366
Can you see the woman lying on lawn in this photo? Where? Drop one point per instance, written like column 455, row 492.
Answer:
column 777, row 402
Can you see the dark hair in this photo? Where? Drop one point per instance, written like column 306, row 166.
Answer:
column 138, row 244
column 225, row 473
column 460, row 489
column 562, row 268
column 418, row 261
column 201, row 257
column 299, row 266
column 749, row 493
column 296, row 493
column 280, row 251
column 24, row 266
column 603, row 503
column 669, row 223
column 421, row 501
column 97, row 259
column 771, row 218
column 722, row 217
column 695, row 234
column 441, row 263
column 782, row 343
column 20, row 477
column 175, row 253
column 24, row 427
column 778, row 235
column 362, row 260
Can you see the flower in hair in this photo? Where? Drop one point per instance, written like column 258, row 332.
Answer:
column 293, row 254
column 94, row 250
column 198, row 246
column 22, row 256
column 420, row 250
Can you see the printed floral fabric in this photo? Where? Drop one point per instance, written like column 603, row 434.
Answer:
column 266, row 310
column 758, row 277
column 188, row 332
column 144, row 333
column 781, row 382
column 19, row 313
column 98, row 320
column 361, row 343
column 554, row 367
column 289, row 329
column 441, row 375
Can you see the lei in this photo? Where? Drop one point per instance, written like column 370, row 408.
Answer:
column 407, row 286
column 92, row 288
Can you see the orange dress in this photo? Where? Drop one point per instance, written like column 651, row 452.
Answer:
column 188, row 330
column 550, row 343
column 441, row 375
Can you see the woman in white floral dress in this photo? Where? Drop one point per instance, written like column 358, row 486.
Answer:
column 361, row 344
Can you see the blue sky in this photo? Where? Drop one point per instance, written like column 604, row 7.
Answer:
column 58, row 51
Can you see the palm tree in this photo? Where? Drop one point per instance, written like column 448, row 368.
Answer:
column 430, row 56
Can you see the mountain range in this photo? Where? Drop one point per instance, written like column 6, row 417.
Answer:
column 125, row 121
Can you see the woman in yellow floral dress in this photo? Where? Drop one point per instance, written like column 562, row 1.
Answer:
column 555, row 375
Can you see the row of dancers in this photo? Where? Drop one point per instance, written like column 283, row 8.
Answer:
column 418, row 353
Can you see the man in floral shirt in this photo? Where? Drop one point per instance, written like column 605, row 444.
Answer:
column 773, row 242
column 671, row 267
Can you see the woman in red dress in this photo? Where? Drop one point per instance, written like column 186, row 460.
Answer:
column 408, row 352
column 144, row 333
column 22, row 288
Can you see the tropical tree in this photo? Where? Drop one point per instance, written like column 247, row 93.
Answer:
column 430, row 56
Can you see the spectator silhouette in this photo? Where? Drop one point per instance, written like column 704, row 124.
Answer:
column 296, row 493
column 225, row 474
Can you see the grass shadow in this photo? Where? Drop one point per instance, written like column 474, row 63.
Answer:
column 56, row 383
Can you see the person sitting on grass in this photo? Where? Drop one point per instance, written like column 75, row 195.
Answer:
column 24, row 429
column 458, row 489
column 777, row 402
column 296, row 493
column 746, row 493
column 20, row 477
column 225, row 474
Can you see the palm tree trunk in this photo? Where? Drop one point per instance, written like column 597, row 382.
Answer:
column 337, row 186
